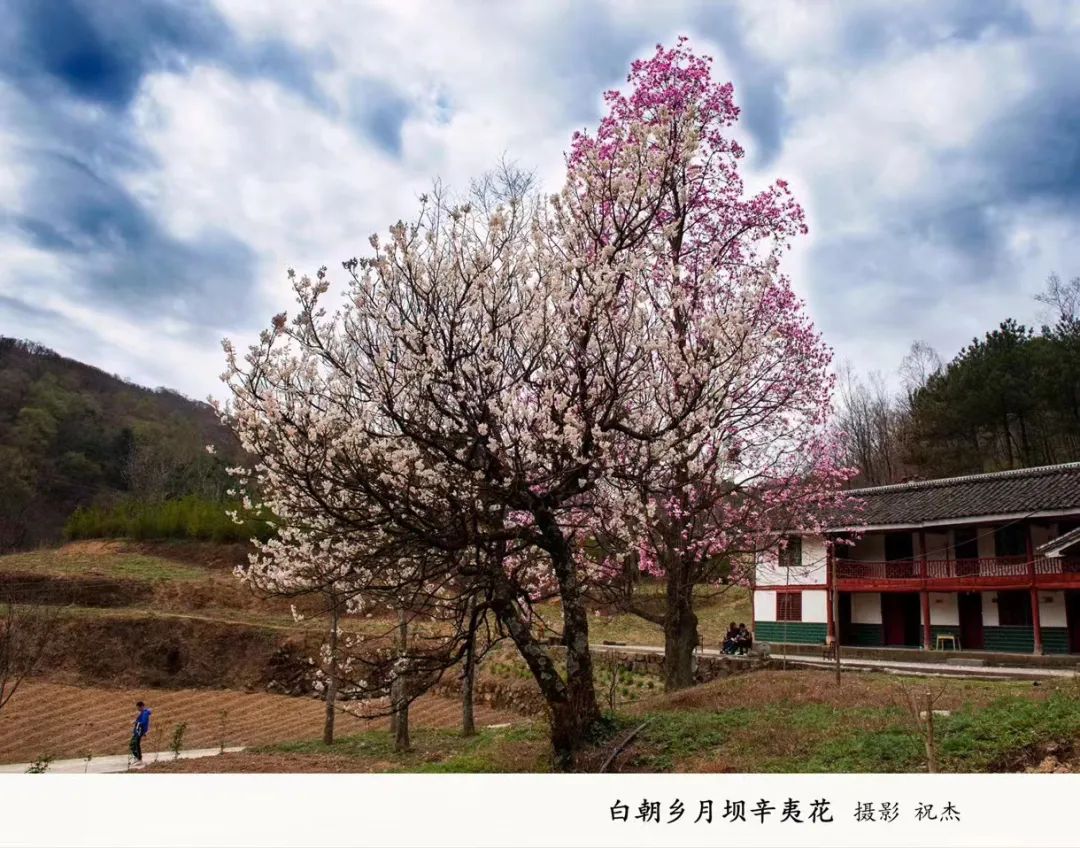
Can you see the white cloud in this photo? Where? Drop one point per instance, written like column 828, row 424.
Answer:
column 261, row 164
column 153, row 354
column 882, row 117
column 884, row 157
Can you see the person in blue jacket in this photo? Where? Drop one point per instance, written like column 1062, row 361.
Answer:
column 141, row 728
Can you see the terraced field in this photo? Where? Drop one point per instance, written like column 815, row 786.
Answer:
column 102, row 561
column 59, row 721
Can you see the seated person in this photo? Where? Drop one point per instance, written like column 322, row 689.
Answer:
column 730, row 638
column 743, row 640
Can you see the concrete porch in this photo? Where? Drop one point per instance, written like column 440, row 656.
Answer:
column 1069, row 662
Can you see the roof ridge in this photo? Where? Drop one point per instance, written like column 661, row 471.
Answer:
column 936, row 482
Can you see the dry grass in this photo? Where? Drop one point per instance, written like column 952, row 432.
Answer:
column 865, row 690
column 100, row 561
column 69, row 721
column 193, row 580
column 715, row 610
column 763, row 722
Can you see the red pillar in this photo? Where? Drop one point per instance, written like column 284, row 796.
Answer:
column 752, row 587
column 1035, row 625
column 1035, row 620
column 925, row 599
column 924, row 596
column 829, row 589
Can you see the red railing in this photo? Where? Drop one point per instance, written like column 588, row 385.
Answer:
column 942, row 569
column 953, row 569
column 1057, row 565
column 850, row 569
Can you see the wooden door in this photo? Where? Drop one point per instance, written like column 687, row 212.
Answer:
column 844, row 615
column 1072, row 619
column 971, row 620
column 900, row 618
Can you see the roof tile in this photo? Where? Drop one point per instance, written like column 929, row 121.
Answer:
column 1023, row 491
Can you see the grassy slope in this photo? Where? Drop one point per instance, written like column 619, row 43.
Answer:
column 715, row 610
column 440, row 750
column 772, row 721
column 161, row 566
column 801, row 722
column 64, row 562
column 767, row 722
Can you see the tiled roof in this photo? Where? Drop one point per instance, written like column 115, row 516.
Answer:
column 1020, row 492
column 1055, row 546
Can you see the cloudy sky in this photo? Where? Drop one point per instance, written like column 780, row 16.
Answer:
column 162, row 164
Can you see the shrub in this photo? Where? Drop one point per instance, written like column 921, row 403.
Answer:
column 189, row 517
column 176, row 744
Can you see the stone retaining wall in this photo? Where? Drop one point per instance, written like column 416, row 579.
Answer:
column 706, row 667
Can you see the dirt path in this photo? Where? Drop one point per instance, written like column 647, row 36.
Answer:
column 60, row 721
column 927, row 669
column 114, row 763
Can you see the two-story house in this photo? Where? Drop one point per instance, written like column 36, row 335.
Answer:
column 992, row 560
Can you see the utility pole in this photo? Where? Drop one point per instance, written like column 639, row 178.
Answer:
column 836, row 615
column 931, row 747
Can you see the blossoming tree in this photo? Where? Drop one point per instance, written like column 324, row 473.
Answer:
column 459, row 401
column 327, row 548
column 730, row 450
column 507, row 384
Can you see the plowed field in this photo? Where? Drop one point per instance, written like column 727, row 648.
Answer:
column 59, row 721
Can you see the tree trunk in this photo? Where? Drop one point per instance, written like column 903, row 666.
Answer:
column 1008, row 439
column 1025, row 445
column 567, row 729
column 331, row 677
column 579, row 670
column 680, row 630
column 468, row 683
column 398, row 697
column 399, row 702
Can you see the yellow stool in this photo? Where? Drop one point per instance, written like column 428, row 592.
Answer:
column 943, row 638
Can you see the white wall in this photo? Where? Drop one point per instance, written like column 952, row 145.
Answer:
column 1051, row 612
column 938, row 545
column 815, row 559
column 814, row 605
column 813, row 570
column 866, row 608
column 1052, row 609
column 943, row 609
column 764, row 605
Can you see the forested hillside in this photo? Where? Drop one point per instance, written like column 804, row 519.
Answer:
column 1010, row 399
column 72, row 435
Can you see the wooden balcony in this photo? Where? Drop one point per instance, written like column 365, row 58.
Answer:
column 950, row 575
